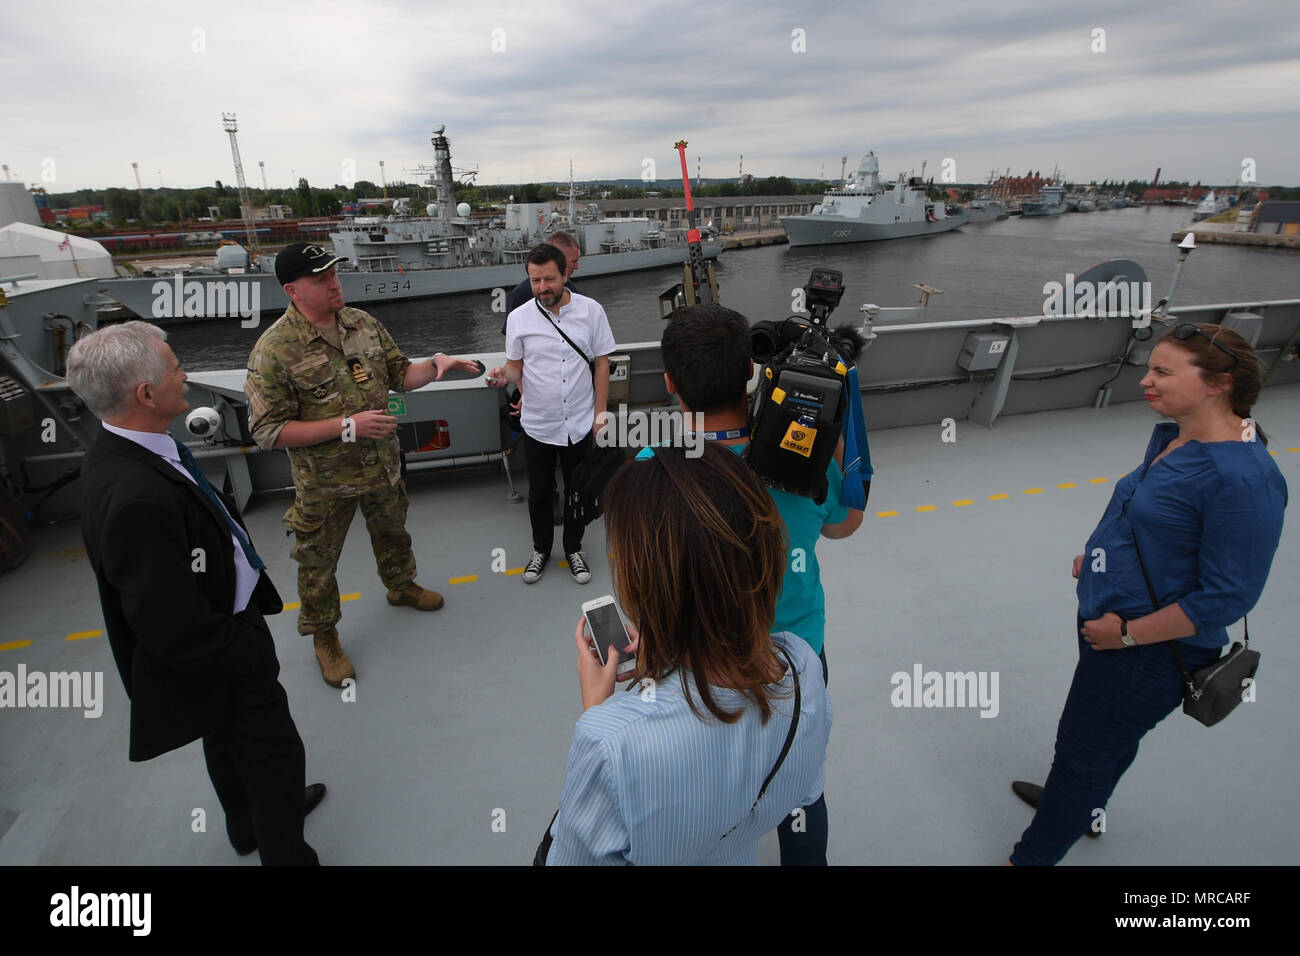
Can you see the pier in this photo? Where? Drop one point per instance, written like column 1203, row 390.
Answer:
column 1223, row 234
column 751, row 238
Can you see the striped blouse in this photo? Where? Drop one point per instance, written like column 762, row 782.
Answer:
column 650, row 783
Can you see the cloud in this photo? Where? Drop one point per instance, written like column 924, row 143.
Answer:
column 524, row 88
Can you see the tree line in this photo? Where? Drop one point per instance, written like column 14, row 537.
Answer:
column 171, row 206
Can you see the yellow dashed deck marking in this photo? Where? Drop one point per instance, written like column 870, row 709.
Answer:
column 512, row 572
column 15, row 645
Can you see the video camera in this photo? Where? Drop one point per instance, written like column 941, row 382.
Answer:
column 799, row 412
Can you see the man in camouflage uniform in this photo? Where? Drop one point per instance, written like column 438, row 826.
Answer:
column 318, row 384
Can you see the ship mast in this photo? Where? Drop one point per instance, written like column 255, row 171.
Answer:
column 442, row 176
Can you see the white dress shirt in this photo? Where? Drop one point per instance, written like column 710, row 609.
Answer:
column 559, row 400
column 163, row 445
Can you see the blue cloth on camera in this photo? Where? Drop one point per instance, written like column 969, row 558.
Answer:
column 857, row 453
column 1208, row 517
column 647, row 782
column 801, row 605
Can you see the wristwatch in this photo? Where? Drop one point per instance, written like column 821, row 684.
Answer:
column 1124, row 635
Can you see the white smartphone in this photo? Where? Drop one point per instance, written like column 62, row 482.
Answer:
column 605, row 625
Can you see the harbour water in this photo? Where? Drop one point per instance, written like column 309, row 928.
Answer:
column 984, row 269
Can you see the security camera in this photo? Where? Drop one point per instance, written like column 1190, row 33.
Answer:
column 203, row 421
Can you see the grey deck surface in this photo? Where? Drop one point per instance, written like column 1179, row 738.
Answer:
column 470, row 710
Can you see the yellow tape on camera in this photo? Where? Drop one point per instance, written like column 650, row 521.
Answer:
column 799, row 439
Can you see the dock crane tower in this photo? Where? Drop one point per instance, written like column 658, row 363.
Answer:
column 231, row 126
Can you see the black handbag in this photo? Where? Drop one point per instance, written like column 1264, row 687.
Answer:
column 583, row 498
column 1211, row 693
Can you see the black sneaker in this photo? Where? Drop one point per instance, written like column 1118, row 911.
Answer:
column 578, row 567
column 535, row 566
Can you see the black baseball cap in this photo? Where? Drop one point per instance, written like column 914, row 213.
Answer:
column 302, row 259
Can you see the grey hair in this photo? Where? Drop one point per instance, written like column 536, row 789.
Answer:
column 105, row 366
column 564, row 238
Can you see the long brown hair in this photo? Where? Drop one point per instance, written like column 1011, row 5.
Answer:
column 698, row 557
column 1215, row 362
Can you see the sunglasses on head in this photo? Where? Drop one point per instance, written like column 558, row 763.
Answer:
column 1187, row 330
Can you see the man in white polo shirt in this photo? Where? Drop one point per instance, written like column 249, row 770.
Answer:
column 566, row 386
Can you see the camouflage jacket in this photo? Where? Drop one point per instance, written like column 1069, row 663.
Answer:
column 294, row 374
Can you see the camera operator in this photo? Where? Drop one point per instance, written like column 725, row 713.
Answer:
column 707, row 364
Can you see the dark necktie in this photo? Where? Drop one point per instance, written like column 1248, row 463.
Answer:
column 192, row 466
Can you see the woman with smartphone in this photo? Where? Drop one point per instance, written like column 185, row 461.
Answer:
column 722, row 729
column 1183, row 550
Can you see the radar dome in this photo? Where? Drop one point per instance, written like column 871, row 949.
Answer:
column 463, row 209
column 431, row 209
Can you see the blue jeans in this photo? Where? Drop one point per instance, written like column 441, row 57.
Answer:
column 1115, row 698
column 809, row 847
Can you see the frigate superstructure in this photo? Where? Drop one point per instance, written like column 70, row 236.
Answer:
column 864, row 209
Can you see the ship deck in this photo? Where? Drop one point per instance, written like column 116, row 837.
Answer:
column 469, row 711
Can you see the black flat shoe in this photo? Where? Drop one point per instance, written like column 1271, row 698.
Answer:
column 1031, row 793
column 311, row 798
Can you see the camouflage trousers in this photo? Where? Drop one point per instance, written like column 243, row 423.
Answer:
column 320, row 527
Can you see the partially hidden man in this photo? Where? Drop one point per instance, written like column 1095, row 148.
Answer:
column 318, row 384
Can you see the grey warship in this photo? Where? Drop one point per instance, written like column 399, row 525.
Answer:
column 406, row 256
column 865, row 210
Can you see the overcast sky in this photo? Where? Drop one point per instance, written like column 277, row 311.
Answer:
column 1106, row 89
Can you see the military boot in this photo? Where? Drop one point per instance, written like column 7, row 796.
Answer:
column 334, row 664
column 417, row 597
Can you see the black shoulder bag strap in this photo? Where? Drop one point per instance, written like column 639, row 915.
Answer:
column 591, row 365
column 789, row 737
column 1155, row 606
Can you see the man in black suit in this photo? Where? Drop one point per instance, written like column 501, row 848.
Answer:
column 183, row 594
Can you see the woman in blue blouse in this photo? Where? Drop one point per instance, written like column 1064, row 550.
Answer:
column 668, row 772
column 1205, row 510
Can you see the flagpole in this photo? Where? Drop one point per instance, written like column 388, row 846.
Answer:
column 75, row 265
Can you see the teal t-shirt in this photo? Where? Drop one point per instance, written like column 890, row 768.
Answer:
column 801, row 605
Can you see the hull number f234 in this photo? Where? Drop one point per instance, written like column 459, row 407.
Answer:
column 387, row 288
